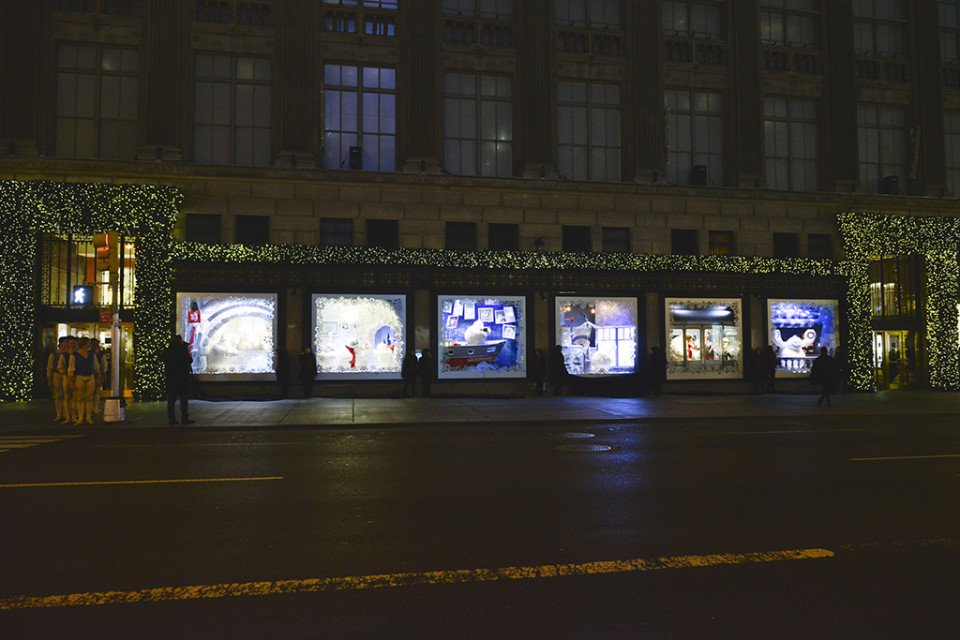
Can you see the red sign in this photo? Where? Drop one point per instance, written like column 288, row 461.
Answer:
column 193, row 316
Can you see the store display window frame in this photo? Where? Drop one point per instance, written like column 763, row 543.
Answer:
column 266, row 370
column 588, row 343
column 359, row 357
column 797, row 351
column 698, row 339
column 453, row 340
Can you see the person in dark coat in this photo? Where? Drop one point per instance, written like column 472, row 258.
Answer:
column 177, row 371
column 656, row 370
column 408, row 371
column 824, row 373
column 425, row 371
column 770, row 367
column 558, row 370
column 308, row 371
column 538, row 370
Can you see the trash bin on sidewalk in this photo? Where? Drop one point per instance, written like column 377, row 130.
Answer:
column 114, row 410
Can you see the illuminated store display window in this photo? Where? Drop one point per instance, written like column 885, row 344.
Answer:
column 231, row 336
column 359, row 336
column 798, row 329
column 481, row 337
column 704, row 338
column 598, row 335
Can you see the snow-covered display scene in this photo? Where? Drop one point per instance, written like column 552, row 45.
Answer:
column 359, row 336
column 598, row 335
column 481, row 337
column 230, row 335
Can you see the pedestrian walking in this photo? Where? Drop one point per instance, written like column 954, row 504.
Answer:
column 308, row 371
column 656, row 370
column 55, row 379
column 177, row 370
column 538, row 371
column 824, row 373
column 408, row 372
column 85, row 371
column 98, row 381
column 759, row 371
column 558, row 370
column 770, row 367
column 425, row 371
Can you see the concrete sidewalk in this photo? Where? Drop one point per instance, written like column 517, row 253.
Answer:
column 368, row 412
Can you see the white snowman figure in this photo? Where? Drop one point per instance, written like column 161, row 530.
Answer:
column 476, row 333
column 793, row 347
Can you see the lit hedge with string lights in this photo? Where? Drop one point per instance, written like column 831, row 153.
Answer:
column 371, row 256
column 147, row 213
column 867, row 236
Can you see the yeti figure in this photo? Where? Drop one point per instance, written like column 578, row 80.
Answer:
column 793, row 347
column 476, row 333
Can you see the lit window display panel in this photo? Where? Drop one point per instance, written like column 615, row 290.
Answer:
column 359, row 336
column 598, row 335
column 798, row 329
column 231, row 336
column 704, row 338
column 481, row 337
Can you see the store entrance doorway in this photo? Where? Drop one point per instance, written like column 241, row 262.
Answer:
column 895, row 359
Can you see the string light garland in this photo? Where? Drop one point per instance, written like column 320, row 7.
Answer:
column 145, row 213
column 868, row 236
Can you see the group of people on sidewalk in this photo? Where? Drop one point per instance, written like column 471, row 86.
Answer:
column 75, row 372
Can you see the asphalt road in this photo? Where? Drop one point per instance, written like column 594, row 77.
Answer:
column 796, row 528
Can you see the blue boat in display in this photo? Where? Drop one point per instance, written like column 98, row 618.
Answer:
column 461, row 356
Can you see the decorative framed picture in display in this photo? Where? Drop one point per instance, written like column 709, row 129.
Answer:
column 704, row 338
column 598, row 334
column 481, row 337
column 359, row 336
column 798, row 329
column 231, row 336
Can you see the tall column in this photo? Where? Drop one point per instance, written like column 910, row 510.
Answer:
column 25, row 34
column 535, row 90
column 294, row 84
column 644, row 138
column 166, row 24
column 839, row 148
column 927, row 159
column 745, row 98
column 420, row 87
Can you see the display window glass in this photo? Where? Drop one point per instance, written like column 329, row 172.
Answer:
column 704, row 338
column 359, row 336
column 598, row 335
column 231, row 336
column 481, row 337
column 798, row 330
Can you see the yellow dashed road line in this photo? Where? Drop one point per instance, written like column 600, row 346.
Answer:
column 379, row 581
column 119, row 482
column 929, row 457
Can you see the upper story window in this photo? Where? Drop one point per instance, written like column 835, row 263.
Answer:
column 589, row 14
column 878, row 27
column 104, row 7
column 692, row 18
column 820, row 246
column 67, row 263
column 232, row 110
column 894, row 287
column 790, row 133
column 252, row 230
column 882, row 147
column 616, row 239
column 477, row 125
column 495, row 9
column 97, row 101
column 589, row 131
column 951, row 134
column 694, row 137
column 336, row 232
column 360, row 117
column 721, row 243
column 790, row 23
column 249, row 14
column 949, row 17
column 371, row 17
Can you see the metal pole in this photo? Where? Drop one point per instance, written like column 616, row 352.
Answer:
column 114, row 411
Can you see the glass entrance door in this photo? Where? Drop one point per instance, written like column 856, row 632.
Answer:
column 895, row 359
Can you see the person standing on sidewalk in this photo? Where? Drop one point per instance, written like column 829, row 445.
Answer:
column 558, row 370
column 85, row 371
column 55, row 379
column 98, row 381
column 425, row 371
column 177, row 370
column 308, row 371
column 824, row 373
column 66, row 378
column 408, row 371
column 770, row 367
column 656, row 370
